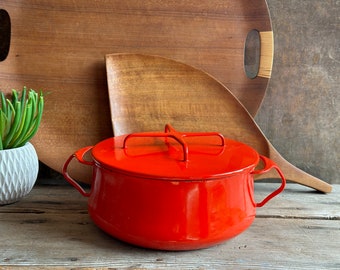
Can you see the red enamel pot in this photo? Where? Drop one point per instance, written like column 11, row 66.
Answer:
column 171, row 190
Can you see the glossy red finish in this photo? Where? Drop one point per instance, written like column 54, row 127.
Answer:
column 180, row 191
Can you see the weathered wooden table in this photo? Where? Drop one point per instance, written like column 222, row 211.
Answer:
column 50, row 228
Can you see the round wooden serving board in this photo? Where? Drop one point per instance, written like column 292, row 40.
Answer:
column 59, row 47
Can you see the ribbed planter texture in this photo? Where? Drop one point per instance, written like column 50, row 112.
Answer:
column 18, row 172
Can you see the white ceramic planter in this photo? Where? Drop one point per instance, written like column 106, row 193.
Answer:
column 18, row 172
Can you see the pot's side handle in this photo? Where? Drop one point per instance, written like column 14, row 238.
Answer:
column 268, row 165
column 79, row 155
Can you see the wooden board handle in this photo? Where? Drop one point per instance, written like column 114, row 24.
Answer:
column 5, row 34
column 294, row 174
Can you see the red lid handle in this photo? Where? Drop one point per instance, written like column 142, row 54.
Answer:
column 170, row 132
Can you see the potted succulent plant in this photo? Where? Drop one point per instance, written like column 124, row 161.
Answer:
column 20, row 117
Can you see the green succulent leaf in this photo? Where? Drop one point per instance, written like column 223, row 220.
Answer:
column 20, row 117
column 3, row 103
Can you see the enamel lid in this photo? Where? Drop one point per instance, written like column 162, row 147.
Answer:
column 173, row 155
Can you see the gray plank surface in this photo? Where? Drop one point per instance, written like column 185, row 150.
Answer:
column 299, row 229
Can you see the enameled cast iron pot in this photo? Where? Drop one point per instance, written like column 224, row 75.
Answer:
column 171, row 190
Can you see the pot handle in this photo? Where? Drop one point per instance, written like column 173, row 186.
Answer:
column 79, row 155
column 268, row 165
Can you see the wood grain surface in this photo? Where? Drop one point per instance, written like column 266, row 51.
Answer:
column 59, row 46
